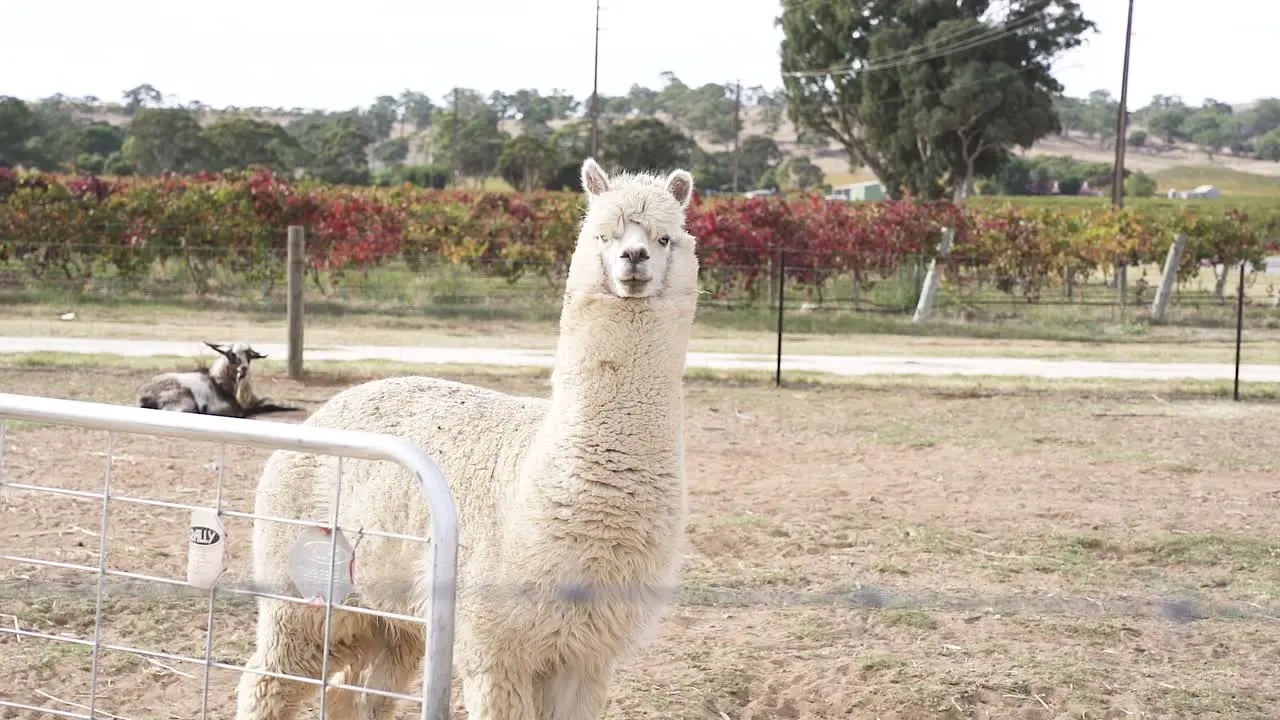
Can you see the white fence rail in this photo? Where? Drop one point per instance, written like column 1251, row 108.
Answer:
column 442, row 546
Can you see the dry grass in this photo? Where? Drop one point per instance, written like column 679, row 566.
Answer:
column 1053, row 334
column 893, row 549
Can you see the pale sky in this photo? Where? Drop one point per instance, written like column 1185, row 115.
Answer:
column 289, row 53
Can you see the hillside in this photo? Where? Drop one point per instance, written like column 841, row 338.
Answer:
column 1179, row 166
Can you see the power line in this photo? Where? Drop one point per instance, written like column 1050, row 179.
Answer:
column 976, row 31
column 992, row 36
column 921, row 53
column 931, row 93
column 984, row 34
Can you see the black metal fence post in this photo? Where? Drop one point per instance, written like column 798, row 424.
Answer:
column 1239, row 327
column 782, row 275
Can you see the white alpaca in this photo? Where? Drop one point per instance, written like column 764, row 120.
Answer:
column 571, row 510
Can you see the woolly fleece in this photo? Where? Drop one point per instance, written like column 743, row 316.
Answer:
column 571, row 509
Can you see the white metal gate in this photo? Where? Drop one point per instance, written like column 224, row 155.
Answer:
column 443, row 544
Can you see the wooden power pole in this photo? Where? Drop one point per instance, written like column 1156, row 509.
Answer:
column 1117, row 181
column 1117, row 188
column 737, row 130
column 453, row 154
column 595, row 91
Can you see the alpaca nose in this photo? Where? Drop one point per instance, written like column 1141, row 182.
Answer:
column 636, row 255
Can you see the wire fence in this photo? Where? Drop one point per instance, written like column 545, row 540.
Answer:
column 1162, row 603
column 971, row 297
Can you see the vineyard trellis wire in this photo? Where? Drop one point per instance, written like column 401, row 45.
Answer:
column 441, row 552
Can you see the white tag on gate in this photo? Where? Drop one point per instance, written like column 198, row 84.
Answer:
column 206, row 548
column 309, row 566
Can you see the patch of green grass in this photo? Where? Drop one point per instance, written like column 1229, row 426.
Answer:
column 917, row 619
column 15, row 426
column 902, row 433
column 320, row 371
column 117, row 663
column 324, row 372
column 52, row 654
column 889, row 568
column 69, row 615
column 1208, row 702
column 722, row 671
column 881, row 662
column 931, row 539
column 1083, row 547
column 1212, row 565
column 810, row 627
column 1231, row 183
column 1238, row 553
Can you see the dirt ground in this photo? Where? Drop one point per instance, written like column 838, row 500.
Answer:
column 854, row 552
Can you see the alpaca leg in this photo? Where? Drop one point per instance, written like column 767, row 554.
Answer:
column 498, row 693
column 577, row 692
column 394, row 658
column 342, row 704
column 348, row 662
column 284, row 645
column 351, row 660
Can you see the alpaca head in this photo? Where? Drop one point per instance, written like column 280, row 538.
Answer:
column 235, row 360
column 633, row 242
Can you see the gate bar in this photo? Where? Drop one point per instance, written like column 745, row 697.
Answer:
column 298, row 438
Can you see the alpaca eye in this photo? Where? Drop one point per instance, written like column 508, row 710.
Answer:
column 664, row 241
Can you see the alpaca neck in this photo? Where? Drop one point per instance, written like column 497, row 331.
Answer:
column 619, row 365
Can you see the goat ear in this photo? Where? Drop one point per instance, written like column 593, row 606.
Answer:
column 680, row 185
column 594, row 179
column 256, row 355
column 217, row 348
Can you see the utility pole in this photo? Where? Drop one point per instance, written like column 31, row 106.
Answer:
column 453, row 156
column 595, row 91
column 1117, row 185
column 1117, row 182
column 737, row 130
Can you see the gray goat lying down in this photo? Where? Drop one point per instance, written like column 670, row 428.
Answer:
column 220, row 389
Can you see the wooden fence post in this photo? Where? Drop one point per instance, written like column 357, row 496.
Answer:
column 1169, row 278
column 297, row 266
column 929, row 291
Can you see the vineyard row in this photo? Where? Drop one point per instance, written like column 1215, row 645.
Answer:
column 79, row 226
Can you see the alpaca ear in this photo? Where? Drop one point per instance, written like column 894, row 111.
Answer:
column 594, row 179
column 680, row 185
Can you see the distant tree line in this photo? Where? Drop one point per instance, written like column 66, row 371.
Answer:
column 932, row 97
column 1214, row 127
column 413, row 138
